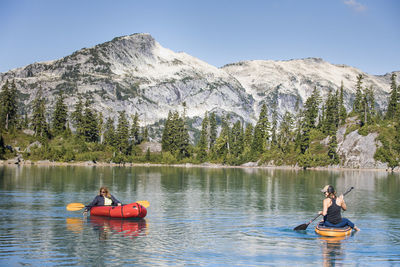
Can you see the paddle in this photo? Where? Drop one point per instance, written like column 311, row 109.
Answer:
column 79, row 206
column 305, row 225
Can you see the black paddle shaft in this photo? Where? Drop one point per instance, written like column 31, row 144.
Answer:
column 305, row 225
column 348, row 191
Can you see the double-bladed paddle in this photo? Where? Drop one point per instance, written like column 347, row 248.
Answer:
column 79, row 206
column 305, row 225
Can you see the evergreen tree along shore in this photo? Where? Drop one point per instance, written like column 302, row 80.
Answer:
column 307, row 138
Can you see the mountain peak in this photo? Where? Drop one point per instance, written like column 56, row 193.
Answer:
column 136, row 37
column 136, row 74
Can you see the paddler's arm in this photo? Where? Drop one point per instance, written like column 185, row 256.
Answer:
column 342, row 202
column 95, row 202
column 116, row 201
column 325, row 205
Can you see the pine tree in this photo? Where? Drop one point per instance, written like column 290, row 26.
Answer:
column 321, row 118
column 342, row 108
column 213, row 130
column 39, row 124
column 135, row 129
column 148, row 154
column 67, row 131
column 122, row 134
column 182, row 138
column 60, row 116
column 90, row 124
column 8, row 105
column 237, row 140
column 394, row 104
column 167, row 139
column 202, row 145
column 299, row 121
column 145, row 134
column 357, row 104
column 308, row 121
column 100, row 127
column 304, row 141
column 222, row 143
column 261, row 133
column 77, row 118
column 367, row 113
column 331, row 120
column 297, row 105
column 286, row 132
column 175, row 138
column 274, row 127
column 372, row 114
column 109, row 133
column 248, row 136
column 397, row 137
column 311, row 109
column 332, row 150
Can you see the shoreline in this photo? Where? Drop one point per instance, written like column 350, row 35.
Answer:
column 189, row 165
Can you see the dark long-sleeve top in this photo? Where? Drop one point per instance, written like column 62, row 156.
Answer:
column 99, row 201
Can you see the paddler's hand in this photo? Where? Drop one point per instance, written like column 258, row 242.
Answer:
column 119, row 204
column 341, row 199
column 84, row 213
column 320, row 212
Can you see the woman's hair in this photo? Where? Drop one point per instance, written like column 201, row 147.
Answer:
column 331, row 191
column 105, row 189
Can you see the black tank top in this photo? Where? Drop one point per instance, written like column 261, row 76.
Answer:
column 333, row 214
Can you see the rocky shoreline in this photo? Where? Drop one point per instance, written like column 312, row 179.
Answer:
column 249, row 165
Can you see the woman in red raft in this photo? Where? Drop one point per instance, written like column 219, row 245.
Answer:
column 105, row 204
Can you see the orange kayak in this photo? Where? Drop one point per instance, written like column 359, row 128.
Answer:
column 133, row 210
column 331, row 231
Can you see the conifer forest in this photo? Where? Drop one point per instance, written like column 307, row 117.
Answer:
column 306, row 138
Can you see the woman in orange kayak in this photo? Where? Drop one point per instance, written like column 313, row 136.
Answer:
column 331, row 209
column 104, row 198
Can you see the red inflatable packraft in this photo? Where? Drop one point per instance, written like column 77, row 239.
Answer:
column 133, row 210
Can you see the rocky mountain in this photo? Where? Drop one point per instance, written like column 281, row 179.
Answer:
column 283, row 81
column 136, row 74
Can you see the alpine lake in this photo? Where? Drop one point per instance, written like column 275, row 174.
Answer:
column 197, row 216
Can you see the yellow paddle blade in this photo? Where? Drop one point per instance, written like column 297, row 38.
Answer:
column 144, row 203
column 75, row 206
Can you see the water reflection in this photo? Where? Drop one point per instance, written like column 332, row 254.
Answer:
column 74, row 225
column 332, row 250
column 106, row 227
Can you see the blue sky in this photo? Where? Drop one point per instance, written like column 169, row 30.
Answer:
column 361, row 33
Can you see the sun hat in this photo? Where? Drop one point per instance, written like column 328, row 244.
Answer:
column 325, row 189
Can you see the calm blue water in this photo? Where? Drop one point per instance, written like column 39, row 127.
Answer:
column 198, row 216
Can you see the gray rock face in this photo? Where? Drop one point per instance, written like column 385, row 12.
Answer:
column 357, row 151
